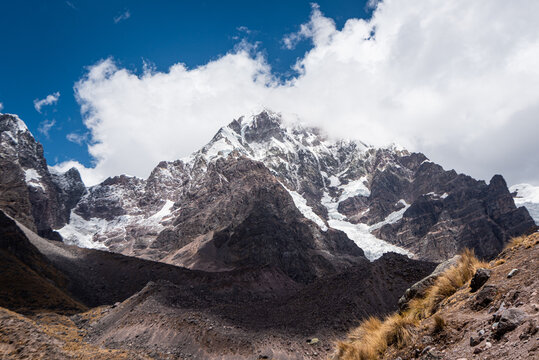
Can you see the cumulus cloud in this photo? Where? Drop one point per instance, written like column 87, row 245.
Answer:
column 122, row 16
column 46, row 126
column 372, row 4
column 456, row 80
column 49, row 100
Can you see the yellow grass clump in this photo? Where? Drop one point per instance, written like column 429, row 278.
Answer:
column 525, row 241
column 439, row 323
column 374, row 336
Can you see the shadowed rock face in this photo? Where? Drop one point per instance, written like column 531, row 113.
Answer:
column 28, row 191
column 268, row 228
column 28, row 280
column 472, row 215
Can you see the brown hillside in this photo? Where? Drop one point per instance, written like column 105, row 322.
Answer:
column 497, row 321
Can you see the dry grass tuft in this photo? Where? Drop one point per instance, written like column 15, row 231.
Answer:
column 525, row 241
column 499, row 262
column 398, row 329
column 374, row 336
column 453, row 279
column 439, row 324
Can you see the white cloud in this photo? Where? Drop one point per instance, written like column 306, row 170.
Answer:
column 122, row 16
column 1, row 106
column 45, row 127
column 456, row 80
column 77, row 138
column 71, row 5
column 244, row 29
column 49, row 100
column 319, row 28
column 372, row 4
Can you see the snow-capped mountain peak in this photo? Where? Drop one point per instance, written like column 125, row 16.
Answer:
column 284, row 186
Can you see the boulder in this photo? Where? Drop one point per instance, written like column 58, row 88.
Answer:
column 420, row 287
column 479, row 279
column 484, row 297
column 510, row 319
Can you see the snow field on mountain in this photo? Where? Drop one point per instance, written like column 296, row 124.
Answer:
column 373, row 247
column 306, row 210
column 81, row 232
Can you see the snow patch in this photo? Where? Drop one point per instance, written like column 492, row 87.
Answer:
column 354, row 188
column 31, row 175
column 306, row 210
column 165, row 211
column 392, row 218
column 33, row 178
column 219, row 148
column 81, row 232
column 334, row 181
column 433, row 194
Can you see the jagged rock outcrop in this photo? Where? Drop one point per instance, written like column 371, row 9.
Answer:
column 474, row 215
column 28, row 191
column 235, row 214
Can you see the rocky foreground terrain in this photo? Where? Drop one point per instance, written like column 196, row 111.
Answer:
column 494, row 314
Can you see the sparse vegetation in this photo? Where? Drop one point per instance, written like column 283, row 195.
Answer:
column 525, row 241
column 439, row 323
column 499, row 262
column 374, row 336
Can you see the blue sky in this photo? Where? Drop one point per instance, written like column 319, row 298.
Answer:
column 447, row 78
column 47, row 46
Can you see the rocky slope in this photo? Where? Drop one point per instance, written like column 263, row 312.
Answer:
column 29, row 281
column 178, row 312
column 495, row 315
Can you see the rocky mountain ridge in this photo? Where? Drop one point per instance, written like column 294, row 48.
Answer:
column 264, row 190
